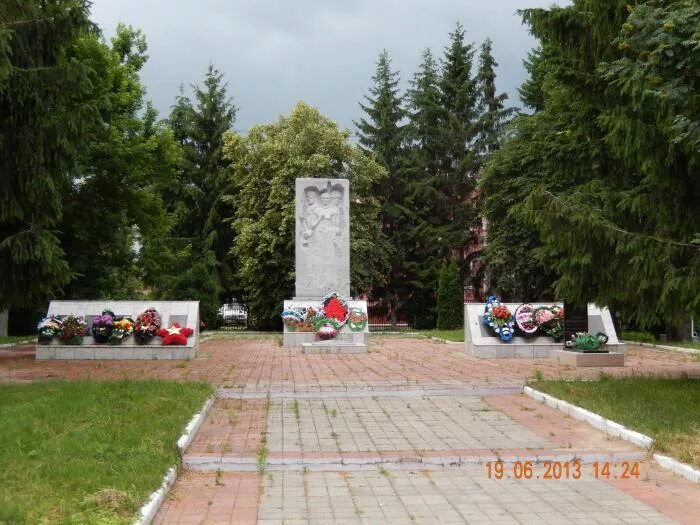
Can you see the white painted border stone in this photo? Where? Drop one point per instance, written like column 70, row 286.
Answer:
column 679, row 349
column 615, row 429
column 149, row 510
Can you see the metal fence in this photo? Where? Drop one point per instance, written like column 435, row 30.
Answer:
column 379, row 319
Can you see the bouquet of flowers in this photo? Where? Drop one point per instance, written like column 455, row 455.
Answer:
column 123, row 328
column 102, row 326
column 585, row 342
column 293, row 318
column 47, row 328
column 499, row 319
column 357, row 320
column 525, row 319
column 147, row 325
column 550, row 319
column 73, row 329
column 325, row 332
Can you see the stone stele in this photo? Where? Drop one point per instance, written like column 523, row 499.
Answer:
column 322, row 253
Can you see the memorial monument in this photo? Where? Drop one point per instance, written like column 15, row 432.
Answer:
column 322, row 264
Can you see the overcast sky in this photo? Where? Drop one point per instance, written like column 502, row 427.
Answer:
column 324, row 52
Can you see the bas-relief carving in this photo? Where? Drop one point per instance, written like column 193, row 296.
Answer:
column 322, row 239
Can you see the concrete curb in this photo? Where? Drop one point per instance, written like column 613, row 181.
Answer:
column 606, row 425
column 149, row 510
column 155, row 500
column 680, row 349
column 193, row 426
column 617, row 430
column 249, row 464
column 682, row 469
column 17, row 343
column 476, row 391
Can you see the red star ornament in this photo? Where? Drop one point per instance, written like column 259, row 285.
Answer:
column 175, row 335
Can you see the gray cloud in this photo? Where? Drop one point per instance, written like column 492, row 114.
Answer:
column 275, row 53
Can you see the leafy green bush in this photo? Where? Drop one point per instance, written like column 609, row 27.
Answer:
column 639, row 337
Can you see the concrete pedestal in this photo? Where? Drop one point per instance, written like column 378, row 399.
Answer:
column 571, row 358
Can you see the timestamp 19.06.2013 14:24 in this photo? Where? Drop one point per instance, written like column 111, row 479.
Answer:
column 572, row 470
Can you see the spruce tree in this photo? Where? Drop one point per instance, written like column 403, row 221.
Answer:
column 425, row 248
column 493, row 115
column 381, row 134
column 449, row 298
column 47, row 107
column 201, row 213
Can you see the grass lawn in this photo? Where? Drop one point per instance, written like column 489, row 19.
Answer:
column 449, row 335
column 8, row 339
column 88, row 452
column 665, row 409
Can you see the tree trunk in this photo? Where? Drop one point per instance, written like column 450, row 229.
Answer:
column 4, row 318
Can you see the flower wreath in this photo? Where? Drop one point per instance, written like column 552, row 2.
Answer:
column 550, row 319
column 585, row 342
column 147, row 325
column 525, row 319
column 102, row 326
column 73, row 328
column 357, row 320
column 499, row 319
column 48, row 327
column 326, row 322
column 123, row 328
column 175, row 335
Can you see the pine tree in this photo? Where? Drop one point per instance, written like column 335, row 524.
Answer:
column 47, row 106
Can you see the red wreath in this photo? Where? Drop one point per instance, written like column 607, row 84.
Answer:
column 335, row 309
column 175, row 335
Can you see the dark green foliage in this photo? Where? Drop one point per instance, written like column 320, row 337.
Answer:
column 202, row 234
column 599, row 184
column 113, row 203
column 265, row 164
column 382, row 134
column 449, row 298
column 47, row 107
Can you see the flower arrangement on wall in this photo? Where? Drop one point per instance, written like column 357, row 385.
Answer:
column 498, row 318
column 122, row 329
column 175, row 335
column 73, row 329
column 48, row 328
column 550, row 321
column 102, row 326
column 326, row 321
column 147, row 325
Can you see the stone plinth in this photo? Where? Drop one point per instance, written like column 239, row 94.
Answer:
column 333, row 347
column 480, row 342
column 186, row 313
column 571, row 358
column 322, row 247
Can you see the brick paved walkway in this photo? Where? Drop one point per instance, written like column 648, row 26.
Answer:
column 402, row 435
column 259, row 365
